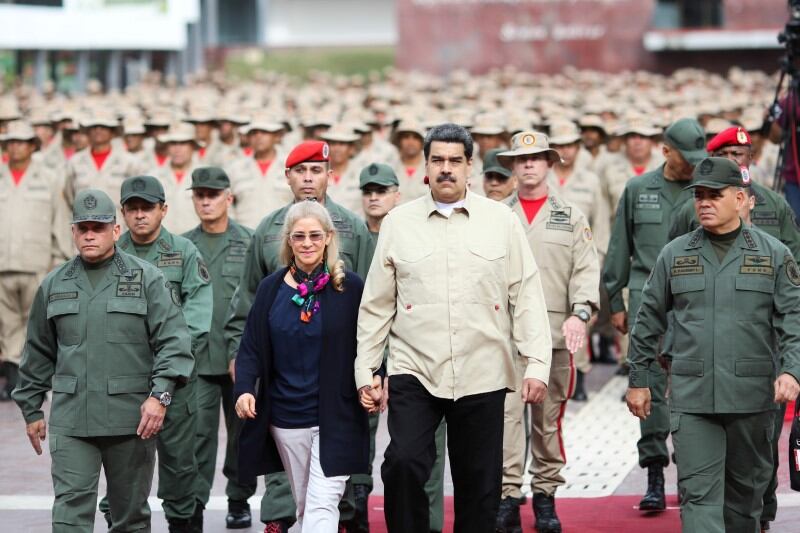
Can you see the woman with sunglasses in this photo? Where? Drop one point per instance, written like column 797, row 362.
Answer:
column 295, row 383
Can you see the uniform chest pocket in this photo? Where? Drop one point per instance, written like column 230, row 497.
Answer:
column 126, row 321
column 417, row 274
column 487, row 272
column 647, row 216
column 754, row 297
column 688, row 294
column 65, row 314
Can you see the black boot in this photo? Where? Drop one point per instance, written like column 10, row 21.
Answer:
column 544, row 509
column 654, row 499
column 180, row 525
column 508, row 520
column 238, row 516
column 580, row 392
column 197, row 518
column 360, row 521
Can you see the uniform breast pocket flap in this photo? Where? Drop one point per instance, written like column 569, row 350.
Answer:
column 490, row 252
column 65, row 314
column 647, row 216
column 413, row 254
column 679, row 285
column 687, row 367
column 754, row 367
column 755, row 283
column 65, row 384
column 125, row 321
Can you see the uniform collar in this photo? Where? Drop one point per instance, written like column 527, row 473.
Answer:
column 430, row 204
column 745, row 240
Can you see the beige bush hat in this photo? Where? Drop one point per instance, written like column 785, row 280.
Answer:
column 528, row 143
column 342, row 133
column 564, row 132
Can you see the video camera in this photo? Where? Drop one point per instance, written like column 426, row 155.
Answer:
column 790, row 36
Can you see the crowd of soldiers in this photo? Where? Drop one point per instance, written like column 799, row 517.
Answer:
column 196, row 175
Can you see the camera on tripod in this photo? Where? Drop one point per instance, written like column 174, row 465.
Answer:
column 790, row 36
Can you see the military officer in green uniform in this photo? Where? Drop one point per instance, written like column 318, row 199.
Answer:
column 307, row 172
column 144, row 208
column 379, row 194
column 734, row 292
column 107, row 336
column 222, row 242
column 641, row 229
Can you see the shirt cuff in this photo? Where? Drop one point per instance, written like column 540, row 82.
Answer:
column 637, row 379
column 616, row 303
column 582, row 306
column 34, row 416
column 163, row 385
column 363, row 377
column 538, row 371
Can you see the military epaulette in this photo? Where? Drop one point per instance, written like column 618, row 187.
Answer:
column 514, row 200
column 554, row 203
column 235, row 233
column 124, row 245
column 758, row 196
column 749, row 240
column 193, row 233
column 697, row 236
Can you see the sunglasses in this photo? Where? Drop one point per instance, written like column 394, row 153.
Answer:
column 299, row 238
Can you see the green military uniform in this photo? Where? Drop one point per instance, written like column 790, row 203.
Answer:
column 225, row 254
column 733, row 296
column 101, row 336
column 178, row 259
column 262, row 258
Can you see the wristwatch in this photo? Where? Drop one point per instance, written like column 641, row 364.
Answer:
column 164, row 398
column 582, row 314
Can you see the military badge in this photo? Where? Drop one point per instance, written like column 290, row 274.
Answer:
column 706, row 167
column 138, row 185
column 528, row 139
column 699, row 143
column 325, row 150
column 741, row 136
column 173, row 293
column 792, row 271
column 587, row 234
column 202, row 269
column 90, row 202
column 373, row 169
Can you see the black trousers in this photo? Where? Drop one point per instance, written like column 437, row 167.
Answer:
column 475, row 446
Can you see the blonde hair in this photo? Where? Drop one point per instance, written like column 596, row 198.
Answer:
column 312, row 209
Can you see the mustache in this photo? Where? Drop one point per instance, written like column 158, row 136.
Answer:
column 442, row 179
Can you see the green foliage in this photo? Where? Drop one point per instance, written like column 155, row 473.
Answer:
column 245, row 64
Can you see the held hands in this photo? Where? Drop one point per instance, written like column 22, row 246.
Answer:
column 246, row 406
column 574, row 331
column 786, row 388
column 152, row 418
column 372, row 398
column 638, row 400
column 620, row 321
column 533, row 390
column 37, row 431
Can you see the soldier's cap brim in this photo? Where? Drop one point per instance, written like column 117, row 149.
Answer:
column 710, row 185
column 214, row 186
column 151, row 198
column 503, row 171
column 507, row 158
column 105, row 219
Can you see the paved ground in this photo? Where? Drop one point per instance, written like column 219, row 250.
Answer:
column 600, row 438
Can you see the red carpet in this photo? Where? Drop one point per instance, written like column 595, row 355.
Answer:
column 578, row 515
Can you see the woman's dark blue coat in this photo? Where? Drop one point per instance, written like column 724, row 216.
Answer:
column 343, row 428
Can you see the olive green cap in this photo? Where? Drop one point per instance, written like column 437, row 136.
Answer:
column 492, row 164
column 93, row 205
column 210, row 178
column 147, row 188
column 718, row 173
column 687, row 135
column 379, row 174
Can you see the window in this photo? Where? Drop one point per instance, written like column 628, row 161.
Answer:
column 674, row 14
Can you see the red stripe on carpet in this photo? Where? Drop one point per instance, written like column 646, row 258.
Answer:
column 578, row 515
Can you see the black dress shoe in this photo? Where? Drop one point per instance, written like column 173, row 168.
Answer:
column 238, row 516
column 654, row 499
column 544, row 509
column 180, row 525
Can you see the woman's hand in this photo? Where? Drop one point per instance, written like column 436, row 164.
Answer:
column 246, row 406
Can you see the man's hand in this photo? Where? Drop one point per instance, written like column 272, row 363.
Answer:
column 638, row 400
column 574, row 331
column 533, row 390
column 232, row 370
column 37, row 431
column 786, row 388
column 620, row 321
column 246, row 406
column 371, row 397
column 152, row 418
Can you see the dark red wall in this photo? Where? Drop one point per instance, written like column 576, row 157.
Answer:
column 438, row 36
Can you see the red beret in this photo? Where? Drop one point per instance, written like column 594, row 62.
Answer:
column 733, row 136
column 307, row 151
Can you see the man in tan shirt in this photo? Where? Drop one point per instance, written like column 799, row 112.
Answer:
column 452, row 284
column 408, row 136
column 36, row 237
column 563, row 246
